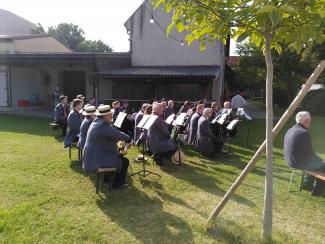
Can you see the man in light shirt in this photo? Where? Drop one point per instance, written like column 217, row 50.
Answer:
column 238, row 101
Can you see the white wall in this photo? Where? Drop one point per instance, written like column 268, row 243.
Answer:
column 151, row 46
column 7, row 47
column 26, row 82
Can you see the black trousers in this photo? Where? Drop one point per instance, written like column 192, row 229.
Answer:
column 158, row 157
column 119, row 179
column 317, row 185
column 63, row 124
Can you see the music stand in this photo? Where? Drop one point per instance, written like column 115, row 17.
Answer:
column 229, row 128
column 180, row 121
column 221, row 119
column 250, row 119
column 170, row 119
column 145, row 124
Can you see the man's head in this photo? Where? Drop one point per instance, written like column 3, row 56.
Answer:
column 207, row 112
column 125, row 104
column 148, row 110
column 164, row 104
column 92, row 100
column 226, row 105
column 63, row 99
column 200, row 108
column 214, row 106
column 242, row 93
column 171, row 103
column 77, row 104
column 158, row 109
column 303, row 118
column 81, row 97
column 116, row 104
column 104, row 112
column 144, row 106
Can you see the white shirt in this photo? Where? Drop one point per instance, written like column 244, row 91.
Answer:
column 238, row 102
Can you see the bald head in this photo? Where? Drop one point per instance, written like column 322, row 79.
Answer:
column 226, row 105
column 207, row 112
column 158, row 108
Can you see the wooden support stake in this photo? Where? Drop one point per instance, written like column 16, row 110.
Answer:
column 285, row 117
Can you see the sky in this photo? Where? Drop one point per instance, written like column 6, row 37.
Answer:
column 100, row 19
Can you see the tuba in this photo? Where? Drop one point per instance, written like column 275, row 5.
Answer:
column 122, row 147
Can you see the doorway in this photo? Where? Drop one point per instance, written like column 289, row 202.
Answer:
column 74, row 83
column 3, row 89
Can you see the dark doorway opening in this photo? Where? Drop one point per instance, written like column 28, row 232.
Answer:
column 74, row 83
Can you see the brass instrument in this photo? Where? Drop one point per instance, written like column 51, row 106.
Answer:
column 122, row 147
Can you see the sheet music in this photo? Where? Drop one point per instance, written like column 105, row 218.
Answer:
column 180, row 119
column 229, row 110
column 170, row 119
column 215, row 120
column 143, row 120
column 232, row 124
column 247, row 116
column 150, row 121
column 240, row 112
column 222, row 119
column 119, row 120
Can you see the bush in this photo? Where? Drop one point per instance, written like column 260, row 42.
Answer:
column 314, row 102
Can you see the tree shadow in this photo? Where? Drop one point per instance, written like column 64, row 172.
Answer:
column 200, row 178
column 143, row 217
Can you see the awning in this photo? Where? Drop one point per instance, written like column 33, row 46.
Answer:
column 163, row 71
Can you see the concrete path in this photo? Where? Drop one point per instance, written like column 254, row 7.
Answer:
column 41, row 112
column 255, row 111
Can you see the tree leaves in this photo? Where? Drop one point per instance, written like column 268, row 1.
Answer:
column 266, row 9
column 243, row 36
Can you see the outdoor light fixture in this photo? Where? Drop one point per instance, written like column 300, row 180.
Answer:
column 182, row 43
column 152, row 21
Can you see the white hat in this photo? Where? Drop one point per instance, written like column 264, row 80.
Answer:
column 89, row 110
column 103, row 110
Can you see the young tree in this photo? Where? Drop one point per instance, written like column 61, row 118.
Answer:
column 267, row 23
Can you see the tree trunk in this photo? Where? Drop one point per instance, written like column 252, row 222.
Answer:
column 267, row 224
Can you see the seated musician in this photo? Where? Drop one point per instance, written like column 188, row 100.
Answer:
column 116, row 109
column 61, row 114
column 169, row 109
column 138, row 118
column 89, row 113
column 159, row 140
column 100, row 150
column 226, row 107
column 215, row 110
column 185, row 107
column 124, row 107
column 207, row 143
column 299, row 153
column 193, row 125
column 74, row 123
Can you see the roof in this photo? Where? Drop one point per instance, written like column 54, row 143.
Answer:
column 23, row 36
column 163, row 71
column 62, row 55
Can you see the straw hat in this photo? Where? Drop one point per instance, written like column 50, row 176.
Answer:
column 103, row 110
column 89, row 110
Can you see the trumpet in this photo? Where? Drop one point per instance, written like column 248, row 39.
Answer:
column 122, row 147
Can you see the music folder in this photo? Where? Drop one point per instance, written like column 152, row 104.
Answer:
column 180, row 119
column 150, row 121
column 240, row 112
column 170, row 119
column 222, row 119
column 143, row 121
column 232, row 124
column 119, row 120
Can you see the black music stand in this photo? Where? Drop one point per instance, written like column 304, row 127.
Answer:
column 229, row 128
column 145, row 123
column 180, row 121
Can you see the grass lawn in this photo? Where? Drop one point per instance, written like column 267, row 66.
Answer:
column 46, row 198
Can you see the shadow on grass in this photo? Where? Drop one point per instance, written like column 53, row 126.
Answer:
column 154, row 225
column 200, row 178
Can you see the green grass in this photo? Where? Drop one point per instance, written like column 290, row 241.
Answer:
column 45, row 198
